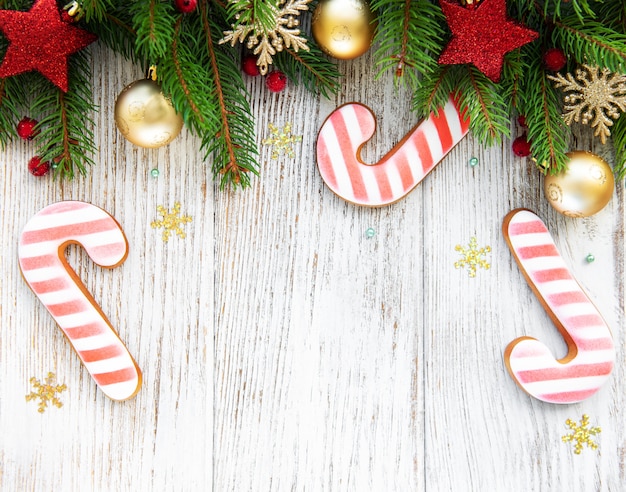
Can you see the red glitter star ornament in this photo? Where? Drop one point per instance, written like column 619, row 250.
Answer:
column 40, row 40
column 482, row 36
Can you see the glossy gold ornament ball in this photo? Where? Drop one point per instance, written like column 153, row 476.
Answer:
column 584, row 188
column 145, row 116
column 343, row 28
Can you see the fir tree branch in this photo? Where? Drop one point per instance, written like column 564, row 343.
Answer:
column 194, row 75
column 66, row 137
column 116, row 32
column 435, row 90
column 12, row 97
column 409, row 35
column 541, row 106
column 95, row 10
column 618, row 134
column 591, row 43
column 233, row 169
column 153, row 20
column 486, row 106
column 181, row 79
column 311, row 68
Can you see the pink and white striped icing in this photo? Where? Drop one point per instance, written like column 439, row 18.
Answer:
column 591, row 355
column 46, row 271
column 397, row 173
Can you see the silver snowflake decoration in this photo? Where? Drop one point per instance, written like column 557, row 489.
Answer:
column 264, row 41
column 594, row 97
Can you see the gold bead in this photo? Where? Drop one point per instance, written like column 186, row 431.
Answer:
column 583, row 188
column 343, row 28
column 145, row 116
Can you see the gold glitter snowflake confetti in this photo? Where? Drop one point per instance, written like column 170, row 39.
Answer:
column 46, row 392
column 270, row 31
column 595, row 96
column 281, row 140
column 472, row 257
column 582, row 434
column 171, row 222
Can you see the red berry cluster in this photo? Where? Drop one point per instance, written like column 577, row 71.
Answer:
column 27, row 129
column 275, row 81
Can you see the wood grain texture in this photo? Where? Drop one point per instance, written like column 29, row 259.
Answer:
column 281, row 348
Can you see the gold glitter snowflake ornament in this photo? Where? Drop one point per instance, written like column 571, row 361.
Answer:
column 46, row 392
column 281, row 141
column 472, row 257
column 269, row 29
column 595, row 96
column 171, row 222
column 581, row 434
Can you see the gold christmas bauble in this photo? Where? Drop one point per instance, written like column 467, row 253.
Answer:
column 584, row 188
column 145, row 116
column 343, row 28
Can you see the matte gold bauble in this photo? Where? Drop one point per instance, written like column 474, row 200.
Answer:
column 583, row 189
column 343, row 28
column 145, row 116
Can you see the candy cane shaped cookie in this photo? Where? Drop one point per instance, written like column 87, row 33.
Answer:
column 591, row 352
column 52, row 279
column 346, row 130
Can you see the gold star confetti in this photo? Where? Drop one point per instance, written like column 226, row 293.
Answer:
column 282, row 141
column 472, row 257
column 594, row 96
column 274, row 27
column 581, row 434
column 46, row 392
column 171, row 222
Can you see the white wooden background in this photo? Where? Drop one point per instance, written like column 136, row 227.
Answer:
column 281, row 348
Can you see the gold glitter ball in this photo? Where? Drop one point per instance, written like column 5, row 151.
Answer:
column 145, row 117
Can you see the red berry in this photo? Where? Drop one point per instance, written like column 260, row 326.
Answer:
column 38, row 168
column 249, row 66
column 554, row 59
column 276, row 81
column 521, row 146
column 26, row 128
column 186, row 6
column 521, row 120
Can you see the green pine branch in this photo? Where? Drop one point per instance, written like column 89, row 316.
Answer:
column 153, row 21
column 435, row 89
column 486, row 106
column 12, row 98
column 592, row 43
column 540, row 104
column 257, row 13
column 66, row 139
column 618, row 134
column 115, row 29
column 311, row 68
column 95, row 10
column 220, row 115
column 409, row 37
